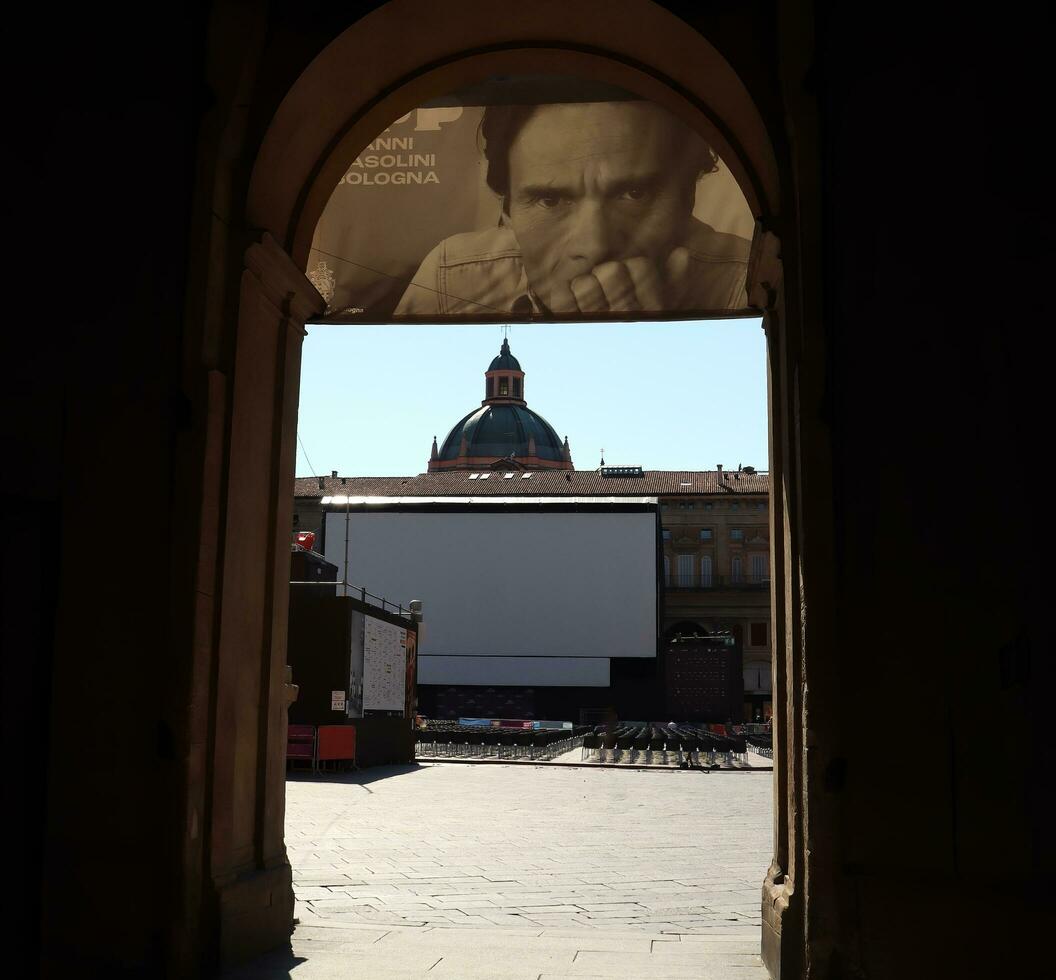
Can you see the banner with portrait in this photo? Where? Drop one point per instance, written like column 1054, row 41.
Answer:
column 534, row 198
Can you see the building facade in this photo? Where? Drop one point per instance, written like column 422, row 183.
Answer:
column 717, row 570
column 714, row 540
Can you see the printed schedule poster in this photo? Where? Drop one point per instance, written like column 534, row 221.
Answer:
column 384, row 666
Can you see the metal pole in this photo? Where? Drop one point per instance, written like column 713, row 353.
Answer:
column 344, row 571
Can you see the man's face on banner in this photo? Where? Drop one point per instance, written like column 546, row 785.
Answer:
column 601, row 196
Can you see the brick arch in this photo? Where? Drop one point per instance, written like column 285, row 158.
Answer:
column 381, row 71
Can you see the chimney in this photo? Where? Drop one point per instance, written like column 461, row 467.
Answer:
column 321, row 485
column 718, row 466
column 333, row 474
column 434, row 453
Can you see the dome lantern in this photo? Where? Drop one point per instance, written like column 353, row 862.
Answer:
column 504, row 379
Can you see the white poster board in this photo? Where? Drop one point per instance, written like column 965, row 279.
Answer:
column 384, row 666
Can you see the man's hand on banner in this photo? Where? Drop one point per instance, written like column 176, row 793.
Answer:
column 626, row 285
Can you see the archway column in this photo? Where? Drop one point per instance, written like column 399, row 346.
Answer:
column 782, row 895
column 247, row 865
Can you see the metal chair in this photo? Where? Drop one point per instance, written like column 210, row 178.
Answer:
column 524, row 744
column 507, row 743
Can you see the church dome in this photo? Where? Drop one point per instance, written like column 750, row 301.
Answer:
column 504, row 431
column 499, row 431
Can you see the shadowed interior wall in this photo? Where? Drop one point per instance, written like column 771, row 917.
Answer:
column 933, row 229
column 95, row 638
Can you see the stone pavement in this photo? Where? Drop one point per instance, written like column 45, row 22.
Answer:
column 514, row 872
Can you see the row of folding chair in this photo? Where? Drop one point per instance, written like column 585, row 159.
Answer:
column 710, row 746
column 760, row 744
column 638, row 744
column 663, row 745
column 495, row 743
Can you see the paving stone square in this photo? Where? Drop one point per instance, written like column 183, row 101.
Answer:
column 497, row 872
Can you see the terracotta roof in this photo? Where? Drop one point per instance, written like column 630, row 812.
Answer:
column 550, row 483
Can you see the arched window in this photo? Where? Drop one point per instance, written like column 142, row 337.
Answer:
column 759, row 568
column 685, row 571
column 504, row 387
column 705, row 572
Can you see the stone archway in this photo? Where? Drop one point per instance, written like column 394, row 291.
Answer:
column 141, row 828
column 380, row 71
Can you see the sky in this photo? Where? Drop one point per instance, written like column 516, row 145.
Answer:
column 664, row 396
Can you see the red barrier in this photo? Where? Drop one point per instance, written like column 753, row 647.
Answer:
column 337, row 743
column 300, row 743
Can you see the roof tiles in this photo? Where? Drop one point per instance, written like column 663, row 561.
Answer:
column 551, row 483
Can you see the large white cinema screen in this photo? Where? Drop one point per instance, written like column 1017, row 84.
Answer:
column 534, row 198
column 511, row 597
